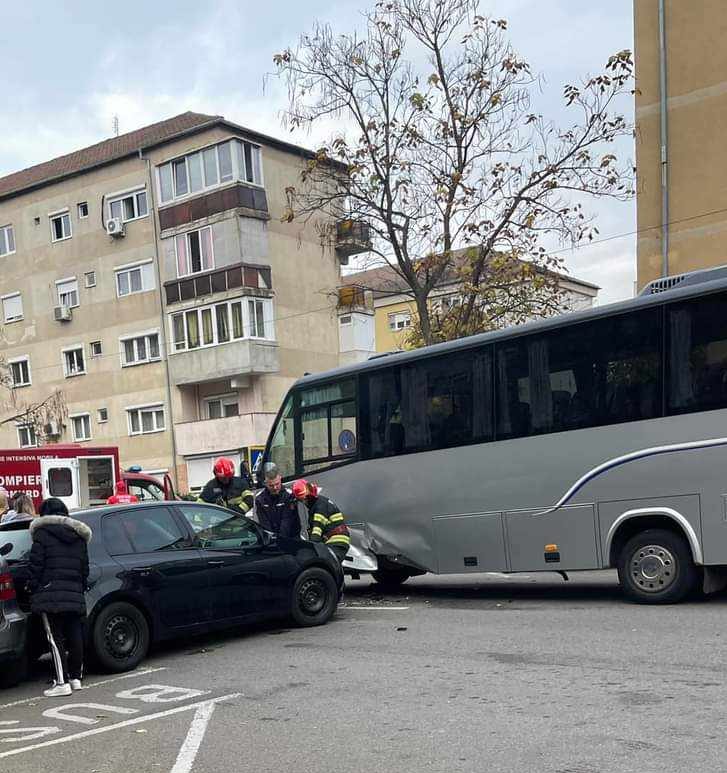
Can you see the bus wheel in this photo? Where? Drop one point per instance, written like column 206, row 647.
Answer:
column 656, row 567
column 390, row 579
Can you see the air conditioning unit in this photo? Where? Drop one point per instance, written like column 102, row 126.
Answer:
column 115, row 227
column 62, row 314
column 52, row 429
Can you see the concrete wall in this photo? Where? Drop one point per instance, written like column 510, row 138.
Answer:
column 697, row 116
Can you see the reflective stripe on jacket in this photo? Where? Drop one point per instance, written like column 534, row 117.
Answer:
column 234, row 496
column 326, row 522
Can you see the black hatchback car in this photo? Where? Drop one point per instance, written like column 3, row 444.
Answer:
column 167, row 569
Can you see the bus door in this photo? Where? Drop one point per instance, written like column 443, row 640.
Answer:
column 60, row 479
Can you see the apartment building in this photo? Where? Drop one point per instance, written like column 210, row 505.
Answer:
column 375, row 313
column 151, row 279
column 681, row 115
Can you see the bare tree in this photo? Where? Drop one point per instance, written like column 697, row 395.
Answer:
column 440, row 151
column 37, row 415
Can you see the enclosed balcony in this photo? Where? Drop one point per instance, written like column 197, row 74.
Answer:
column 352, row 238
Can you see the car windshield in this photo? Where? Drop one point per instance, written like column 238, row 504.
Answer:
column 18, row 535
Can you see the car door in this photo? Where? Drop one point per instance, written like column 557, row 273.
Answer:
column 159, row 563
column 246, row 577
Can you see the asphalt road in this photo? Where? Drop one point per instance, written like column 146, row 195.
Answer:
column 452, row 674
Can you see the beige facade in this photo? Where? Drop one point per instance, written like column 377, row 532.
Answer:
column 695, row 153
column 227, row 304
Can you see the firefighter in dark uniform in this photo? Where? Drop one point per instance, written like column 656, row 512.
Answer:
column 275, row 508
column 325, row 520
column 227, row 489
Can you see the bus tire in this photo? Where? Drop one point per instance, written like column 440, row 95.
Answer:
column 390, row 579
column 656, row 567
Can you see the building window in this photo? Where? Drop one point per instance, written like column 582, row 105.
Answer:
column 26, row 436
column 82, row 209
column 90, row 277
column 81, row 424
column 73, row 362
column 140, row 349
column 221, row 407
column 103, row 415
column 60, row 227
column 145, row 419
column 96, row 349
column 12, row 307
column 129, row 207
column 194, row 252
column 67, row 290
column 400, row 320
column 222, row 322
column 20, row 371
column 209, row 168
column 7, row 240
column 135, row 279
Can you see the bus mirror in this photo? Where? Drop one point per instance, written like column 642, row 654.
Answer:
column 6, row 548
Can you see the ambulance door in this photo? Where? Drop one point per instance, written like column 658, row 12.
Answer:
column 61, row 480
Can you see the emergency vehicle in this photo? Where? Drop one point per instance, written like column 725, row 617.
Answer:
column 80, row 476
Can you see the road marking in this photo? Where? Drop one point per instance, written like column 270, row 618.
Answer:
column 132, row 675
column 188, row 753
column 120, row 725
column 393, row 609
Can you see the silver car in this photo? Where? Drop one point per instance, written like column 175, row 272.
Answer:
column 13, row 622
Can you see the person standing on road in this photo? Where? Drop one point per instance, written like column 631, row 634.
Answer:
column 58, row 569
column 227, row 489
column 275, row 507
column 325, row 520
column 121, row 495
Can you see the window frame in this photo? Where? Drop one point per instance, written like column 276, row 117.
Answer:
column 127, row 269
column 153, row 408
column 135, row 337
column 7, row 297
column 224, row 400
column 394, row 327
column 133, row 194
column 17, row 361
column 89, row 279
column 81, row 415
column 66, row 281
column 29, row 429
column 80, row 204
column 186, row 236
column 4, row 240
column 91, row 346
column 65, row 351
column 99, row 420
column 60, row 215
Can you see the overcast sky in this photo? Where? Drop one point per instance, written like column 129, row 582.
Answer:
column 69, row 67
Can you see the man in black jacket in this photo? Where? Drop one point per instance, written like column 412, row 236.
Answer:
column 275, row 507
column 226, row 489
column 58, row 569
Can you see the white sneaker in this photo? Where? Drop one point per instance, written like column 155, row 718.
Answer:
column 75, row 684
column 58, row 691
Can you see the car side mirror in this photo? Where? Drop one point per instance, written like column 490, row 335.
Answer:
column 6, row 548
column 268, row 538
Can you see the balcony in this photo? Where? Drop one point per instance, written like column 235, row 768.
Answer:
column 352, row 238
column 208, row 435
column 247, row 357
column 239, row 196
column 240, row 275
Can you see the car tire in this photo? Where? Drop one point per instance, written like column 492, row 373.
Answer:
column 14, row 672
column 656, row 567
column 390, row 579
column 120, row 637
column 315, row 597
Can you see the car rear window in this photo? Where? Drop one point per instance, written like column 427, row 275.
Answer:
column 20, row 539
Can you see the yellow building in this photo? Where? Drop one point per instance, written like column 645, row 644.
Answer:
column 681, row 120
column 376, row 314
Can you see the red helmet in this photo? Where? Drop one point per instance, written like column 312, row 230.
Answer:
column 224, row 468
column 121, row 487
column 300, row 489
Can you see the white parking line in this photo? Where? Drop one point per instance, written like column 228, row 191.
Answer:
column 132, row 675
column 188, row 753
column 119, row 725
column 393, row 609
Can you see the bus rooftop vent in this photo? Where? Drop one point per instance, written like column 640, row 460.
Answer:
column 682, row 280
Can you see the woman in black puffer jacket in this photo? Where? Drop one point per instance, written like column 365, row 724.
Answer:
column 58, row 579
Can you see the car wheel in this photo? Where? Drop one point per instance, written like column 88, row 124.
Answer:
column 120, row 637
column 390, row 579
column 14, row 672
column 315, row 597
column 656, row 567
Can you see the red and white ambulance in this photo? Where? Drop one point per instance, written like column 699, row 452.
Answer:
column 80, row 475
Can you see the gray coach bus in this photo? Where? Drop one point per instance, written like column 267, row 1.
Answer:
column 597, row 439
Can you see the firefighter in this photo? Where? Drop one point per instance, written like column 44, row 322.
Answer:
column 122, row 496
column 227, row 489
column 325, row 520
column 275, row 507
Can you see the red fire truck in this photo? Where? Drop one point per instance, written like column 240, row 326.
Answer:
column 81, row 476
